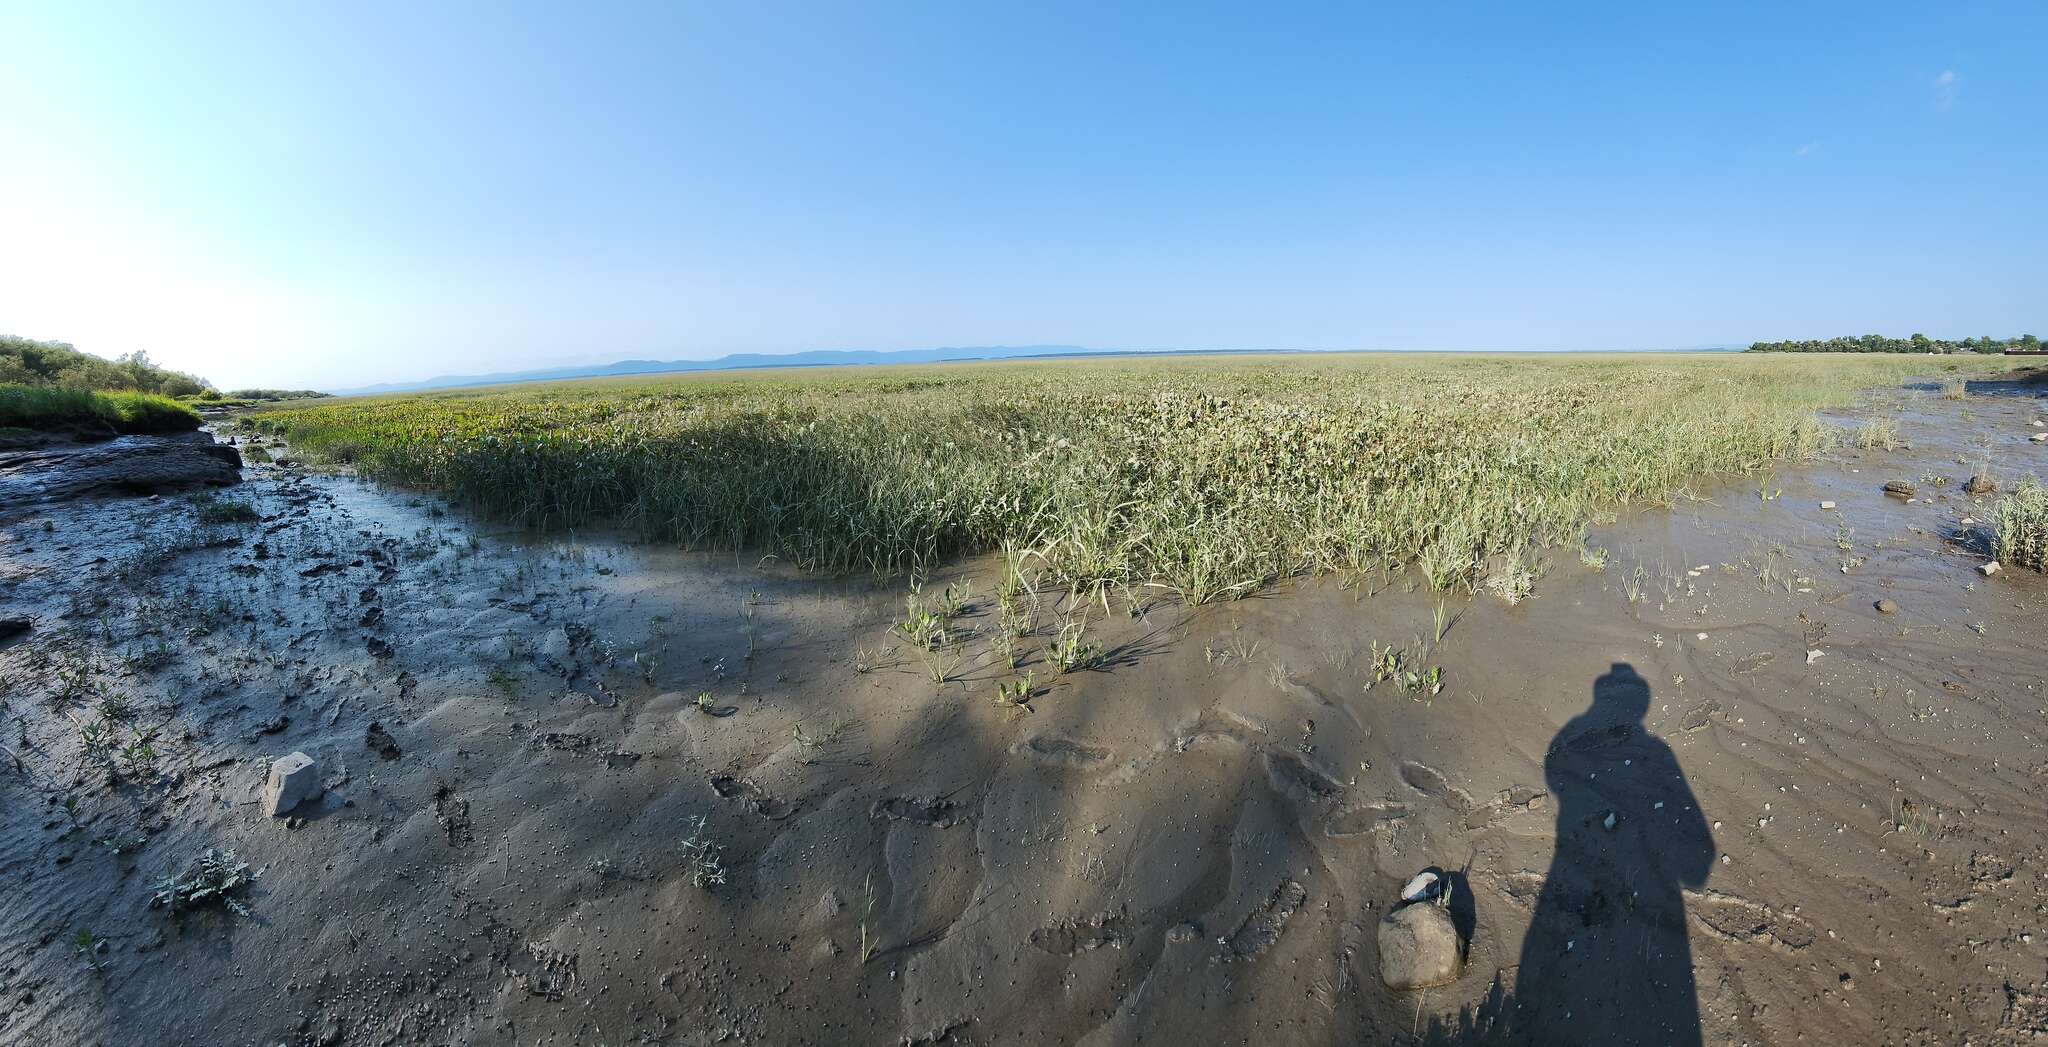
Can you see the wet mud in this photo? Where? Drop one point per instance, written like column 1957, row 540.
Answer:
column 1697, row 788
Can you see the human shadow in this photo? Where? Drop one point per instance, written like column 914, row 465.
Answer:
column 1606, row 959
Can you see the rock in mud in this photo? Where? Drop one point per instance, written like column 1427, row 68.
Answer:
column 1422, row 888
column 1419, row 947
column 128, row 465
column 1900, row 489
column 1887, row 607
column 293, row 780
column 1980, row 484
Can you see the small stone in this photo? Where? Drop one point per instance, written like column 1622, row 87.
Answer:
column 1812, row 657
column 2039, row 438
column 1419, row 948
column 1899, row 489
column 1609, row 821
column 1989, row 569
column 293, row 780
column 1887, row 607
column 1980, row 484
column 1827, row 505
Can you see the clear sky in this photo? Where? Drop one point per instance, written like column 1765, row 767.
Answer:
column 338, row 194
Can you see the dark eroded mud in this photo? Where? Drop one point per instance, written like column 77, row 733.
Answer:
column 1663, row 818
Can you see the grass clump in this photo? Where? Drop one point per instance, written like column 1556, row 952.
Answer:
column 213, row 510
column 2021, row 535
column 30, row 407
column 1208, row 477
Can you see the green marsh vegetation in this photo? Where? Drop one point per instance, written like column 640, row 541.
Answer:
column 1207, row 477
column 35, row 407
column 2021, row 527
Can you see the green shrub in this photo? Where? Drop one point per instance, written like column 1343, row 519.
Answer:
column 27, row 407
column 2022, row 517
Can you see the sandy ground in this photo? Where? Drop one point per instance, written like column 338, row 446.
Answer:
column 1665, row 818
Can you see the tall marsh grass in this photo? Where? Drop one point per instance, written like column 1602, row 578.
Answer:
column 1208, row 477
column 2021, row 533
column 42, row 407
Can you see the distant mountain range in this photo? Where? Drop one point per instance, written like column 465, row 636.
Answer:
column 824, row 358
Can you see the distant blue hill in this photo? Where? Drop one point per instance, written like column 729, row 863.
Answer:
column 827, row 358
column 810, row 358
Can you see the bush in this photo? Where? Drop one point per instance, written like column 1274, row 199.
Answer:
column 24, row 407
column 2022, row 517
column 26, row 361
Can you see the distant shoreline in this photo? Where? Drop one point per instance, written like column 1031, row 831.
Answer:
column 871, row 357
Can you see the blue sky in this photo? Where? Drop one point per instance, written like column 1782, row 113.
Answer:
column 293, row 194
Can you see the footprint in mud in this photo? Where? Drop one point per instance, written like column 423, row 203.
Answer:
column 1355, row 821
column 1752, row 663
column 1700, row 715
column 1741, row 920
column 1216, row 726
column 939, row 814
column 542, row 971
column 1068, row 937
column 1294, row 777
column 584, row 745
column 1262, row 927
column 452, row 812
column 380, row 741
column 1598, row 738
column 1060, row 751
column 1429, row 781
column 757, row 799
column 1509, row 801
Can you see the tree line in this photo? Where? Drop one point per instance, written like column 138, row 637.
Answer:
column 1918, row 343
column 57, row 365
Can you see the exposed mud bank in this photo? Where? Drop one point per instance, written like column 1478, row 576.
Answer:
column 1662, row 816
column 39, row 469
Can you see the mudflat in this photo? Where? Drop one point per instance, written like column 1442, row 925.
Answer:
column 1694, row 786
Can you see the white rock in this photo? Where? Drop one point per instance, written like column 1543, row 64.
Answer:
column 1827, row 505
column 1424, row 886
column 1812, row 657
column 1608, row 822
column 2039, row 438
column 1990, row 568
column 293, row 780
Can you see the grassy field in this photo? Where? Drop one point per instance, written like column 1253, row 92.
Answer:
column 30, row 407
column 1211, row 477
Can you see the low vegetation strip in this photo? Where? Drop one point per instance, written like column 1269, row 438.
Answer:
column 1210, row 477
column 27, row 407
